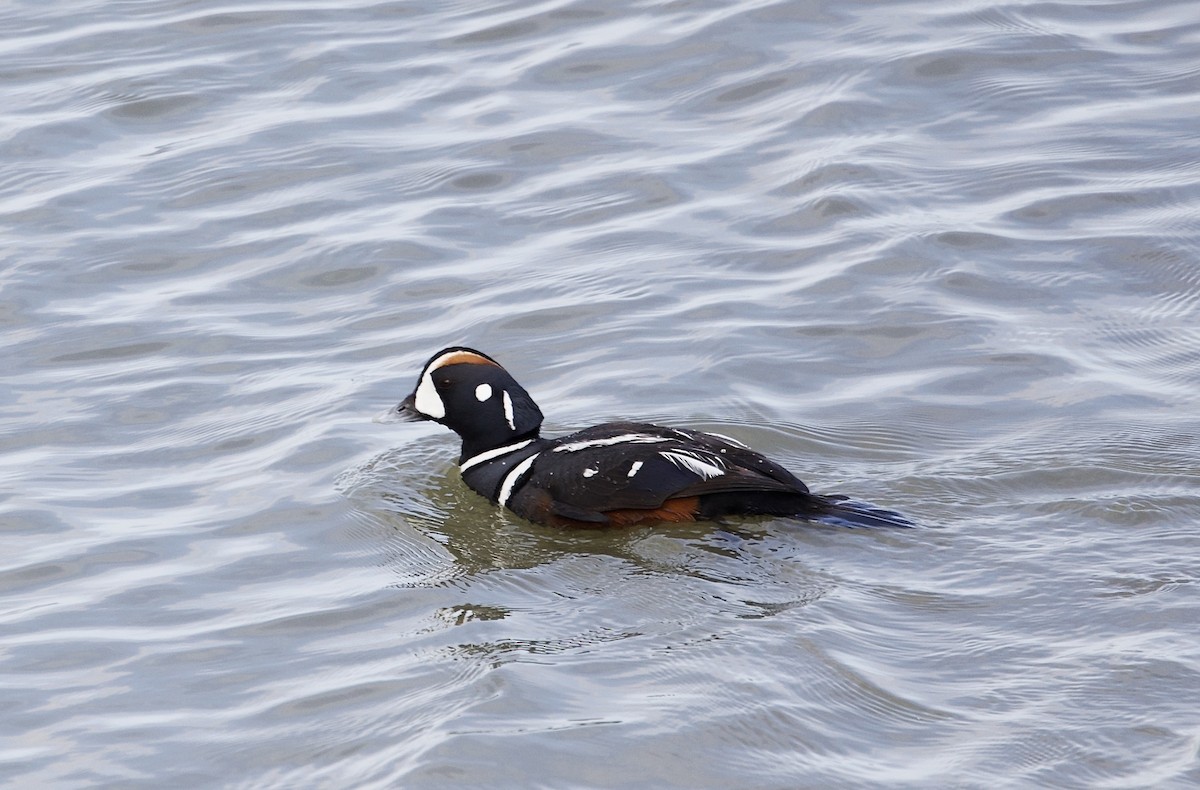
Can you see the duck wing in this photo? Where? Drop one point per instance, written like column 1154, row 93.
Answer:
column 640, row 466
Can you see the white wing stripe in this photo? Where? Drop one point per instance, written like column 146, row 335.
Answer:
column 630, row 438
column 698, row 465
column 730, row 439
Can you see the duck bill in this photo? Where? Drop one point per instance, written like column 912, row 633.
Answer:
column 405, row 411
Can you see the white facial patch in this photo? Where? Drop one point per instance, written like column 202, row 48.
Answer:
column 694, row 463
column 427, row 400
column 483, row 392
column 508, row 411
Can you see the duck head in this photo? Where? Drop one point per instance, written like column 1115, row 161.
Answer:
column 472, row 395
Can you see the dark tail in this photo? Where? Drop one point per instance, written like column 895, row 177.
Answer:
column 838, row 511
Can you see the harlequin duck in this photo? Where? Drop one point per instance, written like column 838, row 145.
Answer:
column 617, row 473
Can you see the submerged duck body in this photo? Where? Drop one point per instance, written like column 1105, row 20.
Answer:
column 616, row 473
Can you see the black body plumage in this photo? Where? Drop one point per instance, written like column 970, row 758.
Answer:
column 611, row 474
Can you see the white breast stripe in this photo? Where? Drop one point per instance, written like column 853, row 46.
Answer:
column 490, row 454
column 633, row 468
column 631, row 438
column 514, row 477
column 704, row 467
column 508, row 411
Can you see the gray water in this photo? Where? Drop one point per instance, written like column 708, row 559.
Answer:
column 940, row 256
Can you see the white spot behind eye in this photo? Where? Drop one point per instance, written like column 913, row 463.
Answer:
column 483, row 392
column 590, row 472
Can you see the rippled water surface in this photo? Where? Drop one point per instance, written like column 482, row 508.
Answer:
column 941, row 256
